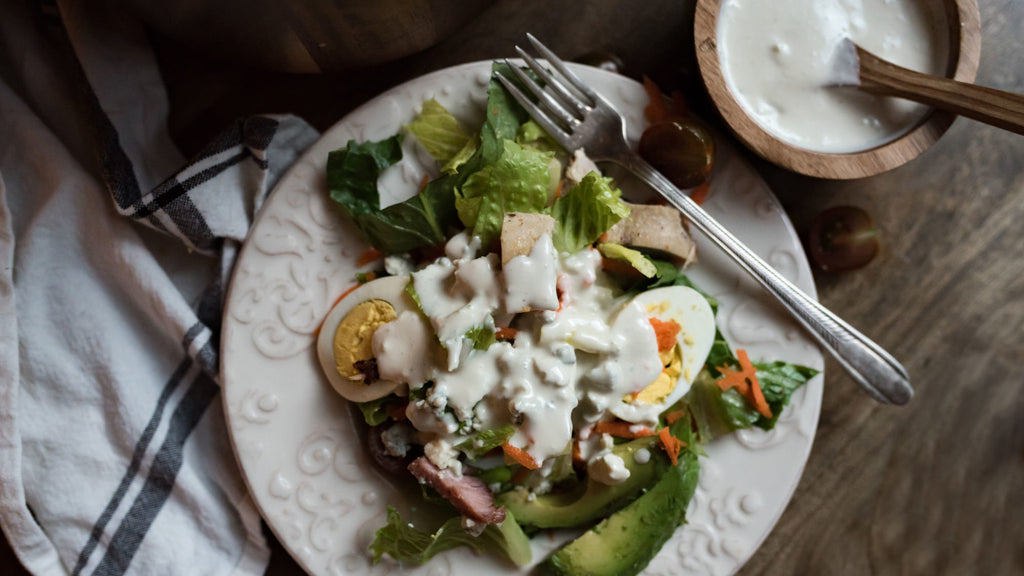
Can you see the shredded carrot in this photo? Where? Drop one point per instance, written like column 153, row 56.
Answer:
column 675, row 415
column 745, row 382
column 602, row 238
column 424, row 182
column 661, row 109
column 700, row 193
column 558, row 190
column 671, row 444
column 506, row 334
column 760, row 404
column 370, row 255
column 520, row 456
column 677, row 103
column 622, row 429
column 657, row 110
column 666, row 333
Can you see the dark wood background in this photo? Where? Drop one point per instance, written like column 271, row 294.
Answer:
column 936, row 487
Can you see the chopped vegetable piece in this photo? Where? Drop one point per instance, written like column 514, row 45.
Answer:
column 745, row 382
column 635, row 258
column 738, row 379
column 520, row 456
column 672, row 417
column 371, row 255
column 700, row 193
column 666, row 332
column 621, row 429
column 659, row 108
column 585, row 212
column 486, row 441
column 760, row 404
column 407, row 544
column 671, row 444
column 438, row 131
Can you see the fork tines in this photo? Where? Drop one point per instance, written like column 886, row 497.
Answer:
column 562, row 107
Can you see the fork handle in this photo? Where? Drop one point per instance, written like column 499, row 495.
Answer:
column 867, row 363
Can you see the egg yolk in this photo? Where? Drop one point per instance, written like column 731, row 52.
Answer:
column 353, row 339
column 657, row 391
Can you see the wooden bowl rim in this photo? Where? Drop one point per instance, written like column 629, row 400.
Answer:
column 965, row 44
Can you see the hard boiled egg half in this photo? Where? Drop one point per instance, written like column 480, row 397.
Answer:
column 688, row 309
column 345, row 344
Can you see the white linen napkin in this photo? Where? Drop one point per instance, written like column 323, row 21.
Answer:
column 114, row 250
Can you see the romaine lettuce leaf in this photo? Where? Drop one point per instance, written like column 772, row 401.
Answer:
column 516, row 182
column 588, row 210
column 438, row 131
column 486, row 441
column 482, row 337
column 719, row 412
column 634, row 258
column 409, row 545
column 352, row 172
column 462, row 156
column 779, row 380
column 531, row 134
column 420, row 221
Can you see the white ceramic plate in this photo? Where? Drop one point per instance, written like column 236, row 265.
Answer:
column 297, row 442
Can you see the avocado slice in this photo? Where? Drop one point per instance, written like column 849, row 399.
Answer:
column 626, row 542
column 597, row 500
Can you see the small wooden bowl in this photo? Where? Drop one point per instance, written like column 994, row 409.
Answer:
column 965, row 50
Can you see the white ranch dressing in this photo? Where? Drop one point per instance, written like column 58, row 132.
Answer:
column 596, row 347
column 777, row 59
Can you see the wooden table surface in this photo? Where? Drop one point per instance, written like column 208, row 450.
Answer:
column 936, row 487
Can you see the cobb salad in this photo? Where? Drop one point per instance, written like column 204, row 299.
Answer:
column 531, row 349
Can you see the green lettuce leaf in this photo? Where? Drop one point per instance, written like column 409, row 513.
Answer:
column 531, row 134
column 420, row 221
column 719, row 412
column 482, row 337
column 516, row 182
column 486, row 441
column 375, row 411
column 588, row 210
column 462, row 156
column 352, row 172
column 409, row 545
column 779, row 380
column 438, row 131
column 634, row 258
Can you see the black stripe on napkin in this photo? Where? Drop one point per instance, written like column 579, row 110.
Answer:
column 141, row 448
column 116, row 169
column 130, row 534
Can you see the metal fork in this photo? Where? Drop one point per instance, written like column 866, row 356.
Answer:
column 578, row 117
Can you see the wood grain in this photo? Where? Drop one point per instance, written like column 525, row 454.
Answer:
column 988, row 105
column 964, row 42
column 933, row 488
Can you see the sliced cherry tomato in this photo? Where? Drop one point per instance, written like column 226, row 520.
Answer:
column 843, row 238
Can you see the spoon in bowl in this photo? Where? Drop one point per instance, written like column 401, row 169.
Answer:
column 855, row 66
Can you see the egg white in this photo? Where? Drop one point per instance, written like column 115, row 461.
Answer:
column 391, row 289
column 697, row 321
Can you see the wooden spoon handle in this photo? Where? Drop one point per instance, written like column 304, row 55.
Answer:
column 988, row 105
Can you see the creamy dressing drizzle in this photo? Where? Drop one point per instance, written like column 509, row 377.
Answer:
column 590, row 353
